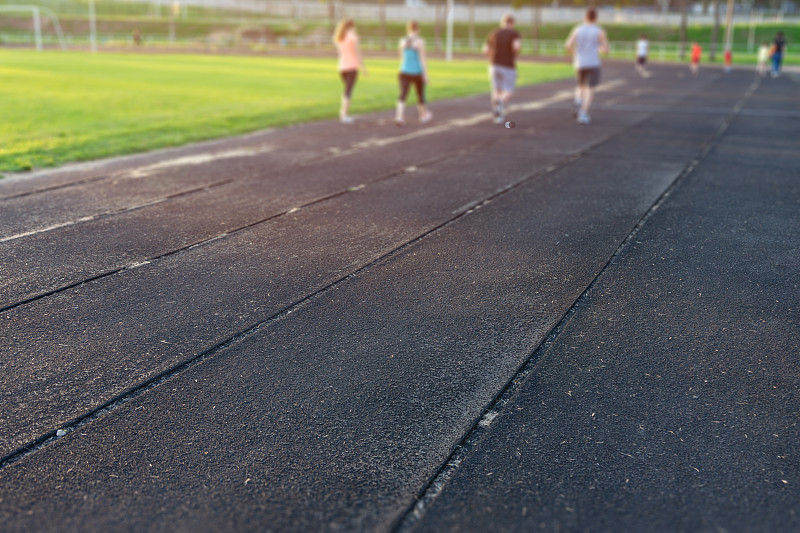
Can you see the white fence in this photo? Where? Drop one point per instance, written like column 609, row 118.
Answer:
column 316, row 10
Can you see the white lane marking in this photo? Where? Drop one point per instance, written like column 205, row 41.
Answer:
column 48, row 228
column 203, row 158
column 198, row 159
column 98, row 215
column 472, row 120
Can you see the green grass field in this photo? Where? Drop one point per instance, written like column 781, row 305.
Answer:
column 59, row 107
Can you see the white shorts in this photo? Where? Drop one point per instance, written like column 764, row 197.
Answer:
column 502, row 78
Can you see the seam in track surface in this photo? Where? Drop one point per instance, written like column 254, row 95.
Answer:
column 233, row 231
column 480, row 427
column 116, row 212
column 137, row 390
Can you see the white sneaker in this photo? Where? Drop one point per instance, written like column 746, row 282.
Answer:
column 427, row 117
column 583, row 118
column 346, row 120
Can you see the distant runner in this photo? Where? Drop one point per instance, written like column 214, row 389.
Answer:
column 346, row 40
column 413, row 70
column 642, row 49
column 778, row 48
column 586, row 42
column 763, row 57
column 697, row 52
column 502, row 48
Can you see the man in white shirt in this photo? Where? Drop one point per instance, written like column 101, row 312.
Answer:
column 641, row 55
column 586, row 42
column 502, row 48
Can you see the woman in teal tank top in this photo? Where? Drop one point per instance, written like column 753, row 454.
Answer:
column 412, row 71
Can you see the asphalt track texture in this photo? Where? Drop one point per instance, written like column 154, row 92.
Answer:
column 456, row 326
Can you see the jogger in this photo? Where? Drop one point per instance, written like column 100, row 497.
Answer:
column 586, row 42
column 413, row 71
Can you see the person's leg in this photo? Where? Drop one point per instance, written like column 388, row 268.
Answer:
column 578, row 101
column 493, row 89
column 349, row 79
column 405, row 82
column 498, row 92
column 586, row 97
column 419, row 86
column 509, row 84
column 591, row 79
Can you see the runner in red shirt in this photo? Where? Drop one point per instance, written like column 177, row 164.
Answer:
column 697, row 51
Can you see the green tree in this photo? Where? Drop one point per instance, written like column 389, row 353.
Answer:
column 536, row 19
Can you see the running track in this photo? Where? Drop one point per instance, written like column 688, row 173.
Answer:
column 456, row 326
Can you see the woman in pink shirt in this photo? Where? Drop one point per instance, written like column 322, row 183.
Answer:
column 346, row 40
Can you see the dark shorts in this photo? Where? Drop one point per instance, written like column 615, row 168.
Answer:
column 642, row 60
column 589, row 76
column 349, row 79
column 405, row 83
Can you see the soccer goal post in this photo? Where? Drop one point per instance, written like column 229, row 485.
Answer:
column 36, row 13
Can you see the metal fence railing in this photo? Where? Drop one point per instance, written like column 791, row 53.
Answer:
column 263, row 25
column 659, row 51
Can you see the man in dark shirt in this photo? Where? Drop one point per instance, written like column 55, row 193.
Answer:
column 502, row 48
column 778, row 47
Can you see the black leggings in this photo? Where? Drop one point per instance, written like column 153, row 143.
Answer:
column 405, row 82
column 349, row 79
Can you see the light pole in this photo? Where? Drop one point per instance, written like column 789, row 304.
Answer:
column 729, row 26
column 92, row 27
column 450, row 17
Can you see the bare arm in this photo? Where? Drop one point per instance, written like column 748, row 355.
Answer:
column 603, row 43
column 516, row 46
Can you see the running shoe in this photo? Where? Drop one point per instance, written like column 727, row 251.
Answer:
column 346, row 120
column 427, row 117
column 583, row 118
